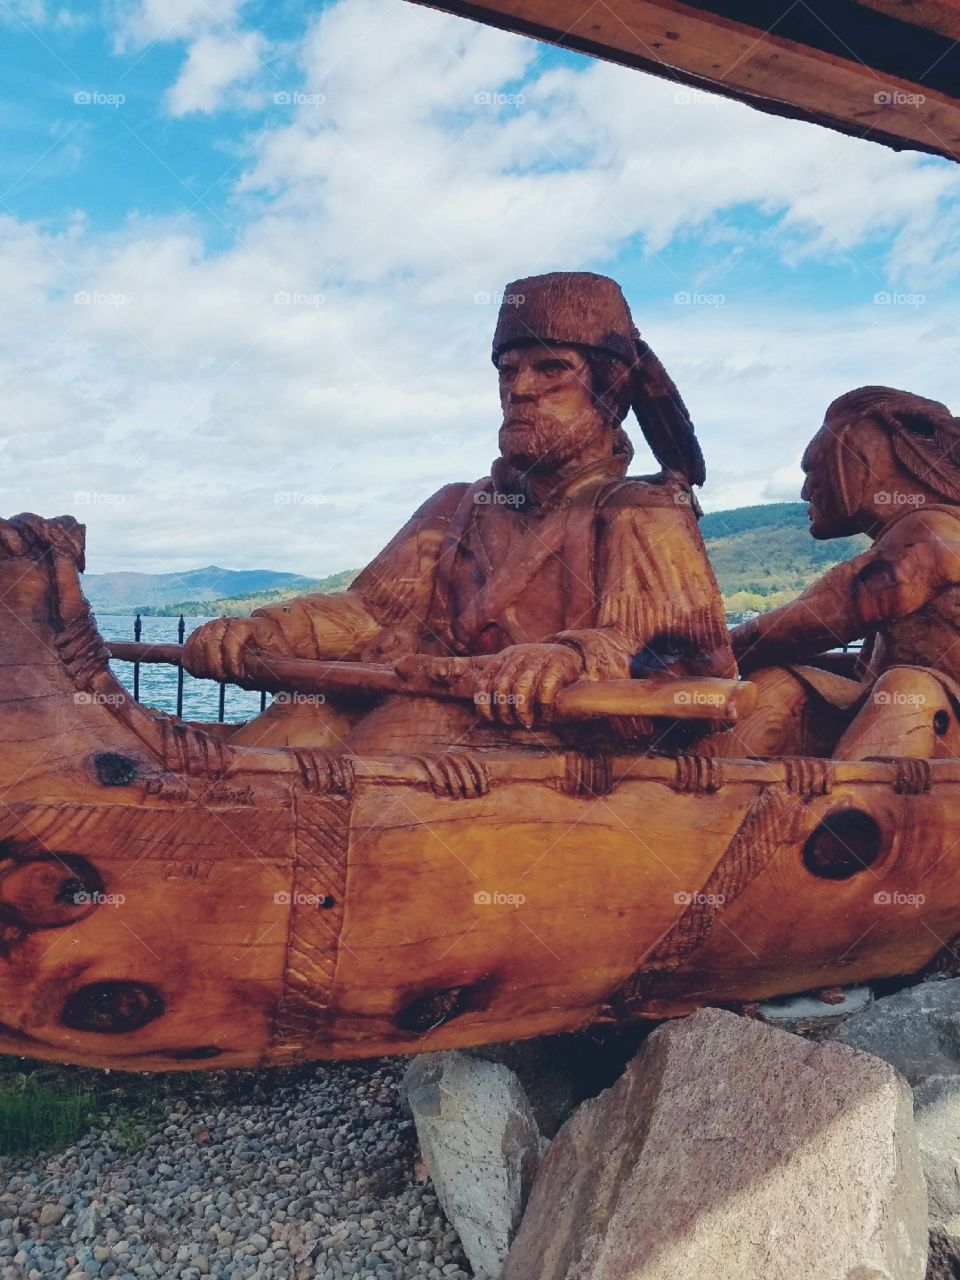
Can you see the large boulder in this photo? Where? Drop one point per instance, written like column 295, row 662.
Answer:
column 936, row 1109
column 731, row 1149
column 917, row 1029
column 481, row 1144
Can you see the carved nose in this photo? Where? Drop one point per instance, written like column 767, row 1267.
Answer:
column 524, row 386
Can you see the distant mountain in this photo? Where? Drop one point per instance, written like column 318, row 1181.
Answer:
column 240, row 606
column 128, row 592
column 762, row 556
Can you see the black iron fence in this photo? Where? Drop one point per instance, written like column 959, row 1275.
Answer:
column 181, row 633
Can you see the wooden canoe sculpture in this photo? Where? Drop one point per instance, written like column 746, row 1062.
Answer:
column 443, row 866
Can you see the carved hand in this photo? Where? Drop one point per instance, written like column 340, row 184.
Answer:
column 217, row 650
column 520, row 685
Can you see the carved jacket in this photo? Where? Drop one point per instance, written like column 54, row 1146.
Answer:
column 612, row 565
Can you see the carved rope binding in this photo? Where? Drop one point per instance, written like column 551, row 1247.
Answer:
column 701, row 775
column 587, row 774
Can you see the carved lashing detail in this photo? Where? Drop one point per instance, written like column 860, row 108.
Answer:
column 324, row 772
column 698, row 775
column 81, row 649
column 913, row 777
column 316, row 921
column 458, row 774
column 587, row 774
column 185, row 749
column 771, row 821
column 809, row 776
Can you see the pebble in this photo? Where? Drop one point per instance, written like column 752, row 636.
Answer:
column 306, row 1174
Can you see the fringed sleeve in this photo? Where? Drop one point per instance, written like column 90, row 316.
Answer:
column 389, row 599
column 658, row 600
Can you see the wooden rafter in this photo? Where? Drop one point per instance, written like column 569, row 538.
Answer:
column 888, row 70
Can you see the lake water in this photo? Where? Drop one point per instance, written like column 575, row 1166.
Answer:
column 158, row 682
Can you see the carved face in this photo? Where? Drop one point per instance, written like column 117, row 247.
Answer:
column 549, row 413
column 822, row 486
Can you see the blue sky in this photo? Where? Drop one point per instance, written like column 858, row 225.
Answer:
column 247, row 271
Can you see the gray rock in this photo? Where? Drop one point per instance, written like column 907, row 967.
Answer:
column 917, row 1030
column 51, row 1214
column 937, row 1113
column 730, row 1149
column 481, row 1145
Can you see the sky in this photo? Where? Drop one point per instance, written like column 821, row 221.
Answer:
column 250, row 258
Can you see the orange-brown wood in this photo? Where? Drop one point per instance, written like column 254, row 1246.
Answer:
column 492, row 798
column 881, row 69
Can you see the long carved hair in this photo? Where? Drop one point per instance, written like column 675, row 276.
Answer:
column 924, row 434
column 612, row 392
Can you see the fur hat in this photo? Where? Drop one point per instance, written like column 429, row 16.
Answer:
column 581, row 309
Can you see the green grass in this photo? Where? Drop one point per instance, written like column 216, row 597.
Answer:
column 36, row 1113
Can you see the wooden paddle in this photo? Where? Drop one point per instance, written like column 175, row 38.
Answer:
column 675, row 697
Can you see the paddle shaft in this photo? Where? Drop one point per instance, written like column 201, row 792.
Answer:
column 679, row 698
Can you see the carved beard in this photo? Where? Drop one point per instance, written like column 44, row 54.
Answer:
column 533, row 439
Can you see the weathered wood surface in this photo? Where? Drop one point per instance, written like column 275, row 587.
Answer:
column 888, row 70
column 403, row 873
column 288, row 904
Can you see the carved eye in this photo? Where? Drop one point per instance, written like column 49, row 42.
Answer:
column 112, row 1007
column 52, row 891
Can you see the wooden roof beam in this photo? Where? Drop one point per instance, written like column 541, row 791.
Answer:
column 888, row 70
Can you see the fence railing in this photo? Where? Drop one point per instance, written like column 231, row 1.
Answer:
column 181, row 633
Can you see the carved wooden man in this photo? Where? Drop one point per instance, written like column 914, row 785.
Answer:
column 556, row 563
column 885, row 463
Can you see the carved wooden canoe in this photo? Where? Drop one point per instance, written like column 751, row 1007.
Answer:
column 167, row 901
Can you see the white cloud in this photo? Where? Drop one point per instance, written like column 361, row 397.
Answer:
column 214, row 64
column 218, row 422
column 151, row 20
column 222, row 54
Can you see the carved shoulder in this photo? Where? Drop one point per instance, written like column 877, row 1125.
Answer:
column 445, row 501
column 927, row 539
column 639, row 492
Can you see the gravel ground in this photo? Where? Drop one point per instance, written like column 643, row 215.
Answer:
column 308, row 1174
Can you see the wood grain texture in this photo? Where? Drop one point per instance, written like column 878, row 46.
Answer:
column 855, row 67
